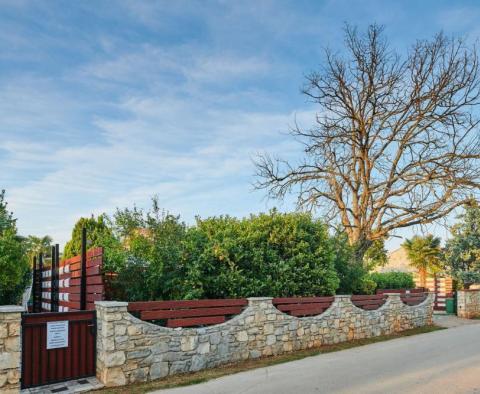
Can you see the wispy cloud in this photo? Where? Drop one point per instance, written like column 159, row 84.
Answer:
column 105, row 106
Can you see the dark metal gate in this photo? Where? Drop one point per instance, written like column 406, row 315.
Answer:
column 42, row 366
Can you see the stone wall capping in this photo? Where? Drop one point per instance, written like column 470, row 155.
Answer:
column 11, row 309
column 111, row 304
column 260, row 298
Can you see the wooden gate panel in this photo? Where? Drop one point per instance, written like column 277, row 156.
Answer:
column 42, row 366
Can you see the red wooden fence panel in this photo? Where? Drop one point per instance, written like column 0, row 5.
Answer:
column 413, row 298
column 369, row 302
column 69, row 282
column 188, row 313
column 303, row 306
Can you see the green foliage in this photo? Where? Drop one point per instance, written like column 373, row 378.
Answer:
column 268, row 254
column 462, row 251
column 36, row 245
column 424, row 253
column 154, row 255
column 7, row 221
column 351, row 274
column 98, row 231
column 14, row 269
column 393, row 280
column 145, row 254
column 375, row 256
column 271, row 254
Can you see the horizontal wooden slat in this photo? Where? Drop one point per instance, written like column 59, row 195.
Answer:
column 368, row 297
column 301, row 300
column 361, row 303
column 90, row 297
column 157, row 305
column 57, row 316
column 91, row 280
column 70, row 304
column 91, row 289
column 90, row 272
column 195, row 321
column 197, row 312
column 294, row 307
column 90, row 264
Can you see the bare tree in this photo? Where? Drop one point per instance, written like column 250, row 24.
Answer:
column 395, row 142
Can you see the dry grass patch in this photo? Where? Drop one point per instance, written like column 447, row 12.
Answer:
column 228, row 369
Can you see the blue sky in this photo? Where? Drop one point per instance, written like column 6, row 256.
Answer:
column 104, row 104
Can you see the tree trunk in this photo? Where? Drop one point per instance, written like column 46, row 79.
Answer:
column 359, row 249
column 423, row 277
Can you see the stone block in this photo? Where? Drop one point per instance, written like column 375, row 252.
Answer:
column 242, row 336
column 178, row 367
column 3, row 379
column 159, row 370
column 3, row 330
column 198, row 363
column 9, row 360
column 215, row 338
column 112, row 377
column 115, row 359
column 188, row 343
column 109, row 317
column 271, row 339
column 138, row 375
column 141, row 353
column 14, row 328
column 13, row 376
column 134, row 330
column 120, row 329
column 203, row 348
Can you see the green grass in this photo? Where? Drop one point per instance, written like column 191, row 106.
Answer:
column 228, row 369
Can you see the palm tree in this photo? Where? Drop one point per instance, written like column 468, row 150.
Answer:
column 35, row 245
column 424, row 254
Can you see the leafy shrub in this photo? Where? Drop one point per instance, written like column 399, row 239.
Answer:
column 393, row 280
column 271, row 254
column 153, row 255
column 353, row 276
column 14, row 269
column 97, row 231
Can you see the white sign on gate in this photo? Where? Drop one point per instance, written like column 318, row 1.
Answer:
column 57, row 334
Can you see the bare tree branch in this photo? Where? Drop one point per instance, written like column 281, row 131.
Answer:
column 395, row 142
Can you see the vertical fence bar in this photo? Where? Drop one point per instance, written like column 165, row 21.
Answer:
column 34, row 285
column 52, row 281
column 57, row 275
column 40, row 281
column 83, row 282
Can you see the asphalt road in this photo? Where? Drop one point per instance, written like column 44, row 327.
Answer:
column 446, row 361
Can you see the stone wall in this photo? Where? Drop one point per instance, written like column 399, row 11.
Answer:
column 130, row 350
column 468, row 303
column 10, row 348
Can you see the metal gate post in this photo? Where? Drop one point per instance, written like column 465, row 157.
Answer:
column 83, row 281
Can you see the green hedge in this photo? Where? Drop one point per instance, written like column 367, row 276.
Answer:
column 275, row 254
column 393, row 280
